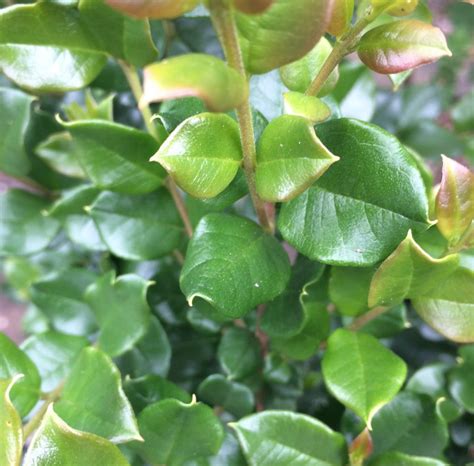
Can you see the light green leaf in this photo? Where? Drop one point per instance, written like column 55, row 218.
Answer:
column 402, row 45
column 23, row 227
column 361, row 373
column 158, row 9
column 341, row 17
column 15, row 113
column 401, row 459
column 429, row 380
column 116, row 157
column 56, row 443
column 282, row 34
column 449, row 308
column 298, row 75
column 281, row 438
column 306, row 106
column 175, row 432
column 233, row 397
column 461, row 379
column 46, row 47
column 93, row 399
column 25, row 392
column 54, row 354
column 233, row 264
column 200, row 163
column 358, row 222
column 121, row 309
column 409, row 272
column 138, row 227
column 195, row 75
column 239, row 353
column 290, row 158
column 11, row 429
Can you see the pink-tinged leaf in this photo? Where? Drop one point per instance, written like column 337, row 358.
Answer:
column 157, row 9
column 252, row 7
column 197, row 75
column 455, row 200
column 341, row 17
column 402, row 45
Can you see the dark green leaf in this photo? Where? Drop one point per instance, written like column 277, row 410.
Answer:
column 461, row 379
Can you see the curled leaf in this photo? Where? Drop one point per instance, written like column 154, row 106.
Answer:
column 11, row 432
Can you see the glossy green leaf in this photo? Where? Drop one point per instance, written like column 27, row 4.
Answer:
column 46, row 47
column 409, row 272
column 402, row 45
column 120, row 36
column 341, row 17
column 15, row 113
column 138, row 227
column 361, row 373
column 56, row 443
column 307, row 106
column 233, row 264
column 60, row 298
column 239, row 353
column 54, row 354
column 220, row 87
column 93, row 399
column 449, row 308
column 116, row 157
column 175, row 432
column 121, row 309
column 25, row 392
column 461, row 379
column 455, row 200
column 281, row 438
column 252, row 7
column 298, row 75
column 11, row 431
column 233, row 397
column 401, row 459
column 290, row 157
column 158, row 9
column 200, row 163
column 24, row 229
column 282, row 34
column 429, row 380
column 409, row 424
column 344, row 222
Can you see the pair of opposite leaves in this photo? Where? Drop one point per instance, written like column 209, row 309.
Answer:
column 290, row 156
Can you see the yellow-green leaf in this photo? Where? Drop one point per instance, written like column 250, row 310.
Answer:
column 11, row 430
column 306, row 106
column 157, row 9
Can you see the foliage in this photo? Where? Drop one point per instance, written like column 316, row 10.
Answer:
column 234, row 246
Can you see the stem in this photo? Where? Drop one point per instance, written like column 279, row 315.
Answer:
column 224, row 23
column 25, row 183
column 137, row 91
column 364, row 319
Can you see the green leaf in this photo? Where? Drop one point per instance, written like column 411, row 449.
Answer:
column 239, row 353
column 120, row 36
column 11, row 431
column 298, row 75
column 409, row 424
column 60, row 297
column 15, row 112
column 158, row 9
column 361, row 373
column 290, row 158
column 461, row 379
column 282, row 34
column 401, row 459
column 200, row 163
column 93, row 399
column 24, row 229
column 449, row 308
column 195, row 75
column 92, row 109
column 429, row 380
column 402, row 45
column 233, row 264
column 116, row 157
column 341, row 17
column 25, row 392
column 54, row 354
column 409, row 272
column 175, row 432
column 233, row 397
column 56, row 442
column 455, row 200
column 138, row 227
column 46, row 47
column 121, row 309
column 281, row 438
column 307, row 106
column 357, row 223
